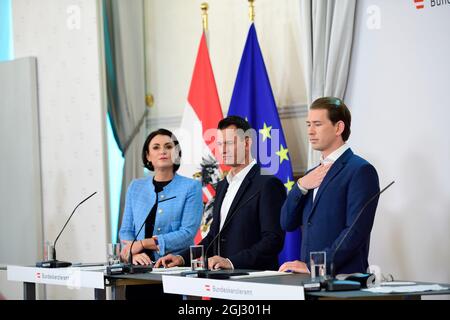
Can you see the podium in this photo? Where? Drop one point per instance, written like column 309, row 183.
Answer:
column 284, row 287
column 72, row 277
column 231, row 290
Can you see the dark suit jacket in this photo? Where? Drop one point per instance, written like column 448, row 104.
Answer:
column 251, row 236
column 348, row 185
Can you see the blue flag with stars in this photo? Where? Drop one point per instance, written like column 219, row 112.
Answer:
column 253, row 100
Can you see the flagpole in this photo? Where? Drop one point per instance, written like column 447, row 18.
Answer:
column 204, row 7
column 149, row 99
column 251, row 10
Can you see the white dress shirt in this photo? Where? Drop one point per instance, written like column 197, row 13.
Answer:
column 331, row 158
column 234, row 183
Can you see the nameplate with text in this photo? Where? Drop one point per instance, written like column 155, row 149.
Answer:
column 70, row 277
column 231, row 290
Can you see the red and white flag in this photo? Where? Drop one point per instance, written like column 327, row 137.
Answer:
column 196, row 134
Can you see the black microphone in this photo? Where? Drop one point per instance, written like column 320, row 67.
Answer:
column 130, row 267
column 225, row 273
column 333, row 284
column 52, row 262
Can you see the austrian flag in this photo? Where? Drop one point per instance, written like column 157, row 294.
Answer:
column 201, row 115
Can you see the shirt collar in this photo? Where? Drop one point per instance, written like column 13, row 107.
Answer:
column 332, row 157
column 241, row 174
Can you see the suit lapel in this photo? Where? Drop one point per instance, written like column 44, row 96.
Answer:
column 242, row 190
column 222, row 190
column 331, row 174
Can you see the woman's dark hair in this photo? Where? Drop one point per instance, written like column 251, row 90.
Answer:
column 163, row 132
column 337, row 111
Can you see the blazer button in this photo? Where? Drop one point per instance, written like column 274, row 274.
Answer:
column 159, row 229
column 160, row 211
column 162, row 196
column 223, row 240
column 309, row 223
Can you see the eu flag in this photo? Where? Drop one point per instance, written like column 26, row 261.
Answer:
column 253, row 100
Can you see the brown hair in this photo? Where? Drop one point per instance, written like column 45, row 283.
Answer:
column 337, row 111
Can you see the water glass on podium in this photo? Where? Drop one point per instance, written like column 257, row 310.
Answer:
column 197, row 257
column 318, row 263
column 49, row 251
column 113, row 253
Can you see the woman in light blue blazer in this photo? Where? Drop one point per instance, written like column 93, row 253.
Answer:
column 170, row 204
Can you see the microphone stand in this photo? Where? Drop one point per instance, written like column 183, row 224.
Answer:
column 52, row 262
column 129, row 267
column 215, row 274
column 333, row 284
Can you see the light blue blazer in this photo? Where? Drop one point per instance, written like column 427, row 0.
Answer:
column 177, row 219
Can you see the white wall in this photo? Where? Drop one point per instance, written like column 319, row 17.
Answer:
column 20, row 172
column 174, row 29
column 173, row 34
column 64, row 36
column 399, row 97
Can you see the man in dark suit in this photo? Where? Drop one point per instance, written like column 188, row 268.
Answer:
column 327, row 199
column 246, row 210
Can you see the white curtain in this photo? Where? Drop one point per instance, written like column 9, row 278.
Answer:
column 326, row 29
column 126, row 83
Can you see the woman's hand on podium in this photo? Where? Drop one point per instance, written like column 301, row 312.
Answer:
column 137, row 248
column 149, row 244
column 142, row 259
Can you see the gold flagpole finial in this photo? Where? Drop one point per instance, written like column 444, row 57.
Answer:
column 149, row 100
column 251, row 10
column 204, row 6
